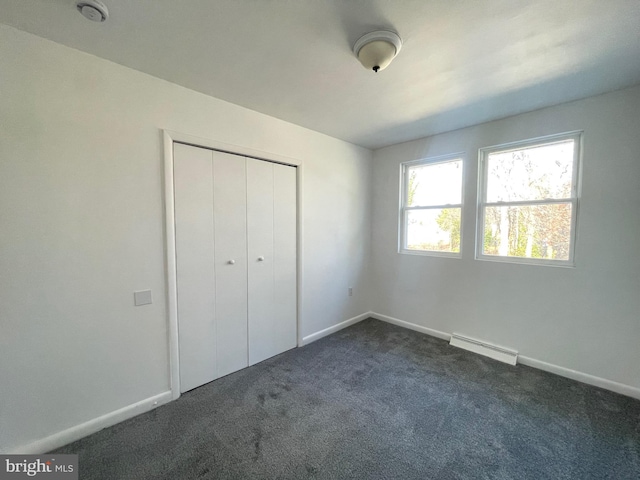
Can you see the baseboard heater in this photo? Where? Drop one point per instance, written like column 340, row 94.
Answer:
column 501, row 354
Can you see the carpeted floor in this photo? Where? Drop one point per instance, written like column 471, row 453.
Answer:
column 376, row 401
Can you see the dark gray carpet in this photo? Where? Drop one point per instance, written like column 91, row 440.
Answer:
column 375, row 401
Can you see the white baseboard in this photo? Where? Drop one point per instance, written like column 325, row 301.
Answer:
column 72, row 434
column 328, row 331
column 581, row 377
column 616, row 387
column 80, row 431
column 411, row 326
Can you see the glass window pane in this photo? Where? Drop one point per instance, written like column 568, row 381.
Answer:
column 532, row 231
column 437, row 184
column 534, row 173
column 434, row 230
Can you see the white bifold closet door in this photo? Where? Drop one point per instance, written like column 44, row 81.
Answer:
column 230, row 261
column 235, row 221
column 271, row 228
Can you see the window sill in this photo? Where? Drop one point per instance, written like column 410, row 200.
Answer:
column 527, row 261
column 430, row 253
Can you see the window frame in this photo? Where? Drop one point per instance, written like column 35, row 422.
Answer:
column 403, row 210
column 483, row 157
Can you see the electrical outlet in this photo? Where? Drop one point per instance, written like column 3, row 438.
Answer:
column 351, row 291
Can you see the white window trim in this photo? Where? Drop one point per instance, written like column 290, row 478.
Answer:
column 483, row 155
column 402, row 213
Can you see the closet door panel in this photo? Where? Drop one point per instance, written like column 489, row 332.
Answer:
column 260, row 197
column 284, row 331
column 193, row 190
column 230, row 210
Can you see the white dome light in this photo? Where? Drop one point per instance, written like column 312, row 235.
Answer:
column 375, row 50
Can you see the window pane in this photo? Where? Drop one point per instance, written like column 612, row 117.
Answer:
column 437, row 184
column 533, row 173
column 532, row 231
column 434, row 229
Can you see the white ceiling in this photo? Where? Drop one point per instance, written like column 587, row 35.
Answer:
column 462, row 62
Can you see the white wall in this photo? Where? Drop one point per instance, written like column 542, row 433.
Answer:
column 81, row 228
column 585, row 318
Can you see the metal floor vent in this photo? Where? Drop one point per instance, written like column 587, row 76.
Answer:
column 501, row 354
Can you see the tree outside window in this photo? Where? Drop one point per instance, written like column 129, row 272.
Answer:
column 432, row 206
column 528, row 201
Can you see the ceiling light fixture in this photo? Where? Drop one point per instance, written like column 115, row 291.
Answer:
column 94, row 10
column 375, row 50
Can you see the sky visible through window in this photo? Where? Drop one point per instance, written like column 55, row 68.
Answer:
column 435, row 185
column 536, row 173
column 527, row 186
column 438, row 184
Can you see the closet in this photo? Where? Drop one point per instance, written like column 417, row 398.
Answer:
column 235, row 237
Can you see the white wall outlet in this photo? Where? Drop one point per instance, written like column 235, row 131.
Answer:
column 142, row 297
column 351, row 291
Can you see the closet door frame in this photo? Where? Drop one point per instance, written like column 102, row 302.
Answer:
column 171, row 137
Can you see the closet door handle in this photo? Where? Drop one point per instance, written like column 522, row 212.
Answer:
column 261, row 259
column 231, row 262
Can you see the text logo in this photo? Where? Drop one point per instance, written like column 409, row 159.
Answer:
column 50, row 467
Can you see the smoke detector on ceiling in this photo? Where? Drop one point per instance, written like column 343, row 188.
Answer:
column 94, row 10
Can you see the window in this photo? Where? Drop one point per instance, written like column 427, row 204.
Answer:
column 431, row 206
column 528, row 201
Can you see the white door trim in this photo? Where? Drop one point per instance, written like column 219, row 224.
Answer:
column 171, row 137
